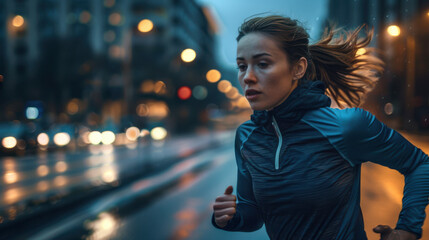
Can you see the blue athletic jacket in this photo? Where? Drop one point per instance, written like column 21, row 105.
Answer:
column 299, row 169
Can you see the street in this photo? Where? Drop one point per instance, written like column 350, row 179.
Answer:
column 181, row 209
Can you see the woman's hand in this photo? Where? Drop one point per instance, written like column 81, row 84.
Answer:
column 225, row 207
column 387, row 233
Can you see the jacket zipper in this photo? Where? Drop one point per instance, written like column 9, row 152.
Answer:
column 279, row 146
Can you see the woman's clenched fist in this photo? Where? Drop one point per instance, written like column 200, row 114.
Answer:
column 225, row 207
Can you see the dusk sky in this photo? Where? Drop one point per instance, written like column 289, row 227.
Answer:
column 231, row 13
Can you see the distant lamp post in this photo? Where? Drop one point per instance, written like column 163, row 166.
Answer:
column 145, row 26
column 188, row 55
column 393, row 30
column 18, row 21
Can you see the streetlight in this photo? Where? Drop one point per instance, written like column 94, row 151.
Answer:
column 188, row 55
column 145, row 25
column 393, row 30
column 18, row 21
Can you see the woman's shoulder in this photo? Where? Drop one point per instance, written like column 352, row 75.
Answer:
column 348, row 121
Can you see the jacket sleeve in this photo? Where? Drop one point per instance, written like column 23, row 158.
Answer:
column 247, row 217
column 367, row 139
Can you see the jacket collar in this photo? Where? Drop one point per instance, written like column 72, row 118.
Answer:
column 307, row 96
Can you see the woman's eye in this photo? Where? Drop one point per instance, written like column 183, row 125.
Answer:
column 241, row 67
column 263, row 64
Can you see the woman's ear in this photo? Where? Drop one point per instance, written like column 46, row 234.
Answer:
column 300, row 68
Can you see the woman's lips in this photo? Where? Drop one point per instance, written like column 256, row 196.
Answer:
column 252, row 94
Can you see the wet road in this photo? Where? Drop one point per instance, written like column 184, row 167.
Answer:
column 183, row 209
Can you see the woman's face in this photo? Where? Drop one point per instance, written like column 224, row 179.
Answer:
column 264, row 71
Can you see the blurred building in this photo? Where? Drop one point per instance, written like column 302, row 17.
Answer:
column 400, row 29
column 92, row 61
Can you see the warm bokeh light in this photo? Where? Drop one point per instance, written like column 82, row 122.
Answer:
column 132, row 133
column 360, row 51
column 188, row 55
column 61, row 166
column 243, row 103
column 147, row 86
column 43, row 139
column 158, row 133
column 144, row 133
column 213, row 76
column 160, row 88
column 73, row 107
column 94, row 137
column 116, row 51
column 145, row 25
column 42, row 186
column 62, row 139
column 232, row 93
column 9, row 142
column 10, row 177
column 184, row 92
column 109, row 3
column 60, row 181
column 388, row 108
column 142, row 110
column 115, row 19
column 12, row 195
column 393, row 30
column 42, row 170
column 1, row 78
column 107, row 137
column 224, row 86
column 18, row 21
column 102, row 228
column 199, row 92
column 109, row 175
column 85, row 17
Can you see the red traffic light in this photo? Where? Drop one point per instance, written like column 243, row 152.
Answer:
column 184, row 93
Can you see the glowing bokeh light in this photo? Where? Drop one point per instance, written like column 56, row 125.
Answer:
column 199, row 92
column 188, row 55
column 42, row 186
column 184, row 93
column 107, row 137
column 10, row 177
column 213, row 75
column 232, row 93
column 95, row 137
column 224, row 86
column 43, row 139
column 60, row 181
column 132, row 133
column 61, row 166
column 145, row 26
column 62, row 139
column 158, row 133
column 85, row 17
column 115, row 19
column 9, row 142
column 42, row 170
column 109, row 3
column 388, row 108
column 394, row 30
column 32, row 113
column 18, row 21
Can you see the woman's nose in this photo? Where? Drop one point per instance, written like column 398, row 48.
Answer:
column 249, row 77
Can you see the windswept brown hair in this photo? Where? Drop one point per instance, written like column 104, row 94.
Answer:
column 339, row 59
